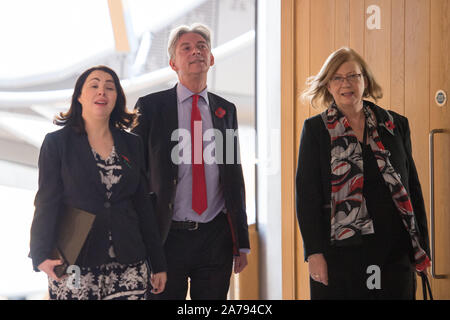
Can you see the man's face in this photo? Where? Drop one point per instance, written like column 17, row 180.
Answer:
column 192, row 56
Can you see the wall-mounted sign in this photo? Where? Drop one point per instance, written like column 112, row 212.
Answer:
column 374, row 20
column 441, row 98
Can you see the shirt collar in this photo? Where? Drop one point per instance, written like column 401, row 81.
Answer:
column 184, row 93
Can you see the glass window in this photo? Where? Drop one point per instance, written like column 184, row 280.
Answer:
column 46, row 44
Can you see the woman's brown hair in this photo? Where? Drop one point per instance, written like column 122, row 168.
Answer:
column 120, row 117
column 316, row 91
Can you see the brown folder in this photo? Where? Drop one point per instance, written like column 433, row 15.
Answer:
column 72, row 233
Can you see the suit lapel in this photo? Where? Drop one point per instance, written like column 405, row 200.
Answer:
column 383, row 118
column 86, row 158
column 391, row 139
column 219, row 124
column 169, row 111
column 127, row 161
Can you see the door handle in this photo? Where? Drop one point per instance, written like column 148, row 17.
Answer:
column 432, row 233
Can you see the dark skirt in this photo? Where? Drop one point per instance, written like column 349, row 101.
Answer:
column 354, row 274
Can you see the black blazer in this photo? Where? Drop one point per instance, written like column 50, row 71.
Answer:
column 158, row 119
column 68, row 175
column 313, row 179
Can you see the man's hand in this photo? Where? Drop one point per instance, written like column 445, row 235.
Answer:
column 240, row 262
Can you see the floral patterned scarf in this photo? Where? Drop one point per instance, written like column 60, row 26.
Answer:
column 349, row 217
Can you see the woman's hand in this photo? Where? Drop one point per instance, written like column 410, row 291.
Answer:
column 48, row 265
column 318, row 268
column 158, row 282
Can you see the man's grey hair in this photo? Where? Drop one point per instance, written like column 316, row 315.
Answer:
column 176, row 34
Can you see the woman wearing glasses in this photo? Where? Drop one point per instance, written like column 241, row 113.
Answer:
column 359, row 202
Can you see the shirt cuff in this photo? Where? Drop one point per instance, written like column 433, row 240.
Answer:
column 244, row 250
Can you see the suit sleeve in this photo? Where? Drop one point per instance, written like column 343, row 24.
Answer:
column 141, row 129
column 309, row 194
column 48, row 202
column 148, row 223
column 415, row 192
column 242, row 224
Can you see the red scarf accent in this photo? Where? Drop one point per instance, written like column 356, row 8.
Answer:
column 349, row 218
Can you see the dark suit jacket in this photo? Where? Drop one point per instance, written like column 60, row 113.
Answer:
column 313, row 180
column 158, row 119
column 68, row 175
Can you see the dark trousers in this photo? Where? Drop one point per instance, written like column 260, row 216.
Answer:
column 348, row 276
column 204, row 256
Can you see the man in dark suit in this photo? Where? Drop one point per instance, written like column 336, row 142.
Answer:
column 200, row 203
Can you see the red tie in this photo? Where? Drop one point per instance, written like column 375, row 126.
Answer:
column 199, row 200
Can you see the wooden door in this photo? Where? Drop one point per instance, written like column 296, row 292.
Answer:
column 440, row 124
column 409, row 54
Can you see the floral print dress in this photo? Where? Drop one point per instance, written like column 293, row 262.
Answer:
column 111, row 281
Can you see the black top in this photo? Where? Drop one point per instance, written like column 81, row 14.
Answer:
column 110, row 170
column 390, row 235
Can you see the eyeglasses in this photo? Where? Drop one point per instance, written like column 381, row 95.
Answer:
column 353, row 78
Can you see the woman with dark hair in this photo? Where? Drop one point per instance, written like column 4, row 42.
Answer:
column 94, row 165
column 359, row 203
column 119, row 117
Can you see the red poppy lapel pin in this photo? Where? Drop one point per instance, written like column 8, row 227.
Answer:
column 125, row 160
column 220, row 113
column 390, row 125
